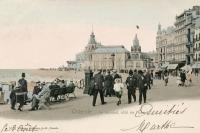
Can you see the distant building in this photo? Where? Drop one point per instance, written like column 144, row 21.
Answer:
column 165, row 45
column 137, row 59
column 197, row 43
column 96, row 56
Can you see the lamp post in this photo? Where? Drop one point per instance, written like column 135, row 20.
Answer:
column 113, row 60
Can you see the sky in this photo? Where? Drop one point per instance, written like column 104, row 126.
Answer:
column 47, row 33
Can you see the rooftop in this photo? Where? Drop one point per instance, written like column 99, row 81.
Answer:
column 111, row 49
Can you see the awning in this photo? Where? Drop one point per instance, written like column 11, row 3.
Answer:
column 187, row 68
column 172, row 66
column 164, row 66
column 196, row 65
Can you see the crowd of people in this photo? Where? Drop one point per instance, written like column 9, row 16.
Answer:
column 41, row 93
column 107, row 84
column 184, row 78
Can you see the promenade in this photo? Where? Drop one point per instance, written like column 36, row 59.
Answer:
column 81, row 107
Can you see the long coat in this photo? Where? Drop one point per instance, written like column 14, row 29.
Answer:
column 183, row 76
column 148, row 78
column 98, row 81
column 23, row 84
column 108, row 82
column 142, row 82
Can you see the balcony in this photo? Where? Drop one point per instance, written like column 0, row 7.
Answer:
column 189, row 54
column 198, row 59
column 197, row 49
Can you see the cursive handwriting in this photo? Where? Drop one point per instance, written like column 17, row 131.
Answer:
column 24, row 128
column 146, row 125
column 148, row 109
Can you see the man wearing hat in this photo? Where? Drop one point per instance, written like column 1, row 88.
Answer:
column 131, row 83
column 37, row 88
column 98, row 87
column 142, row 85
column 23, row 83
column 148, row 78
column 108, row 84
column 23, row 88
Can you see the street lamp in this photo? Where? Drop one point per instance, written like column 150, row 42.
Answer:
column 113, row 60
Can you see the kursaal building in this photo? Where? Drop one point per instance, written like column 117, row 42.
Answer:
column 107, row 57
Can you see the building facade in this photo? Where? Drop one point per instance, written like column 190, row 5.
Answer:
column 165, row 45
column 109, row 57
column 175, row 44
column 96, row 56
column 197, row 44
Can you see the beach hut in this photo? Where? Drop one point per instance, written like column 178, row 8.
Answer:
column 5, row 92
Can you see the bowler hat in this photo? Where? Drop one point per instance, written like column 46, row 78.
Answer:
column 130, row 72
column 23, row 74
column 140, row 72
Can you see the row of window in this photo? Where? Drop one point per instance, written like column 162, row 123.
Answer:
column 173, row 57
column 178, row 48
column 197, row 37
column 181, row 39
column 197, row 45
column 197, row 56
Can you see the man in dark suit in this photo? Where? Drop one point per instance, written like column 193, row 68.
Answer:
column 37, row 88
column 23, row 89
column 98, row 81
column 148, row 79
column 23, row 83
column 142, row 85
column 131, row 83
column 108, row 84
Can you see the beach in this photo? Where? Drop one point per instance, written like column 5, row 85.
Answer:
column 34, row 75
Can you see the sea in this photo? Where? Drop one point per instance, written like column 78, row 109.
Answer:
column 10, row 75
column 7, row 75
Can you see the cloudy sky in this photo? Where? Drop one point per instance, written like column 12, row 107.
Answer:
column 46, row 33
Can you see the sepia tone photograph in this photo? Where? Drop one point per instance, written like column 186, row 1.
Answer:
column 93, row 66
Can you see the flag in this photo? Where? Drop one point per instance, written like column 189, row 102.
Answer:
column 137, row 27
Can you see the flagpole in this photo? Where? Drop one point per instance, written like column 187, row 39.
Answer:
column 137, row 29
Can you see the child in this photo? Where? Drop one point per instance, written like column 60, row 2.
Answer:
column 118, row 86
column 13, row 98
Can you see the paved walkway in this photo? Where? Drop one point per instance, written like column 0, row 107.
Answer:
column 81, row 107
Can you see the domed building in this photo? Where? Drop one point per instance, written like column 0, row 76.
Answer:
column 96, row 56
